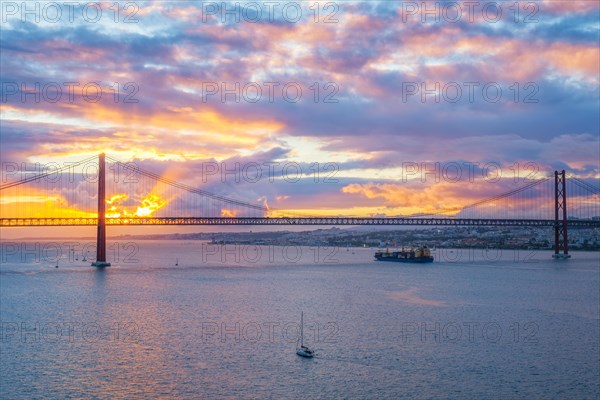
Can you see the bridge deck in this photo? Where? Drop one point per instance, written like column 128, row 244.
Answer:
column 14, row 222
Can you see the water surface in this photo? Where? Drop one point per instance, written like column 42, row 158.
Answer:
column 471, row 325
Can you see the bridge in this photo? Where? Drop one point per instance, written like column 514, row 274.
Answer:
column 83, row 201
column 8, row 222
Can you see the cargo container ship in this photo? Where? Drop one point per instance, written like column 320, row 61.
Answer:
column 411, row 255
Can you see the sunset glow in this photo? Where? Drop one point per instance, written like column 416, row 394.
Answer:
column 351, row 99
column 321, row 199
column 148, row 206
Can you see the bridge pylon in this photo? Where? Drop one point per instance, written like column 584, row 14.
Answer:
column 101, row 232
column 561, row 238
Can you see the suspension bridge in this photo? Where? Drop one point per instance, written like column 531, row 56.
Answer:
column 88, row 193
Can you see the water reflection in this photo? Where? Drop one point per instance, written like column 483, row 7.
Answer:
column 156, row 330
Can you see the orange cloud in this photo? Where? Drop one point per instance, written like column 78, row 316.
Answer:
column 34, row 203
column 508, row 60
column 148, row 206
column 173, row 133
column 228, row 213
column 405, row 199
column 447, row 198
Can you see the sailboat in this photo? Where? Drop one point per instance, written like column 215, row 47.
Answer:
column 303, row 351
column 177, row 262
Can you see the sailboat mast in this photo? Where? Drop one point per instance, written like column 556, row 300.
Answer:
column 302, row 329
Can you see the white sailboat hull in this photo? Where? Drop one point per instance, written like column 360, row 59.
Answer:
column 305, row 353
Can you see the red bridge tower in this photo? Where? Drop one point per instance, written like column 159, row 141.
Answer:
column 561, row 239
column 101, row 234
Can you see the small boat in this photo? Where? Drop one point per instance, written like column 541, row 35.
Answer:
column 302, row 350
column 177, row 262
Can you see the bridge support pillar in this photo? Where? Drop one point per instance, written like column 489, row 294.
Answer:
column 101, row 232
column 561, row 239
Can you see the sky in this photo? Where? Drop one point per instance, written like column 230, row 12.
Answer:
column 402, row 107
